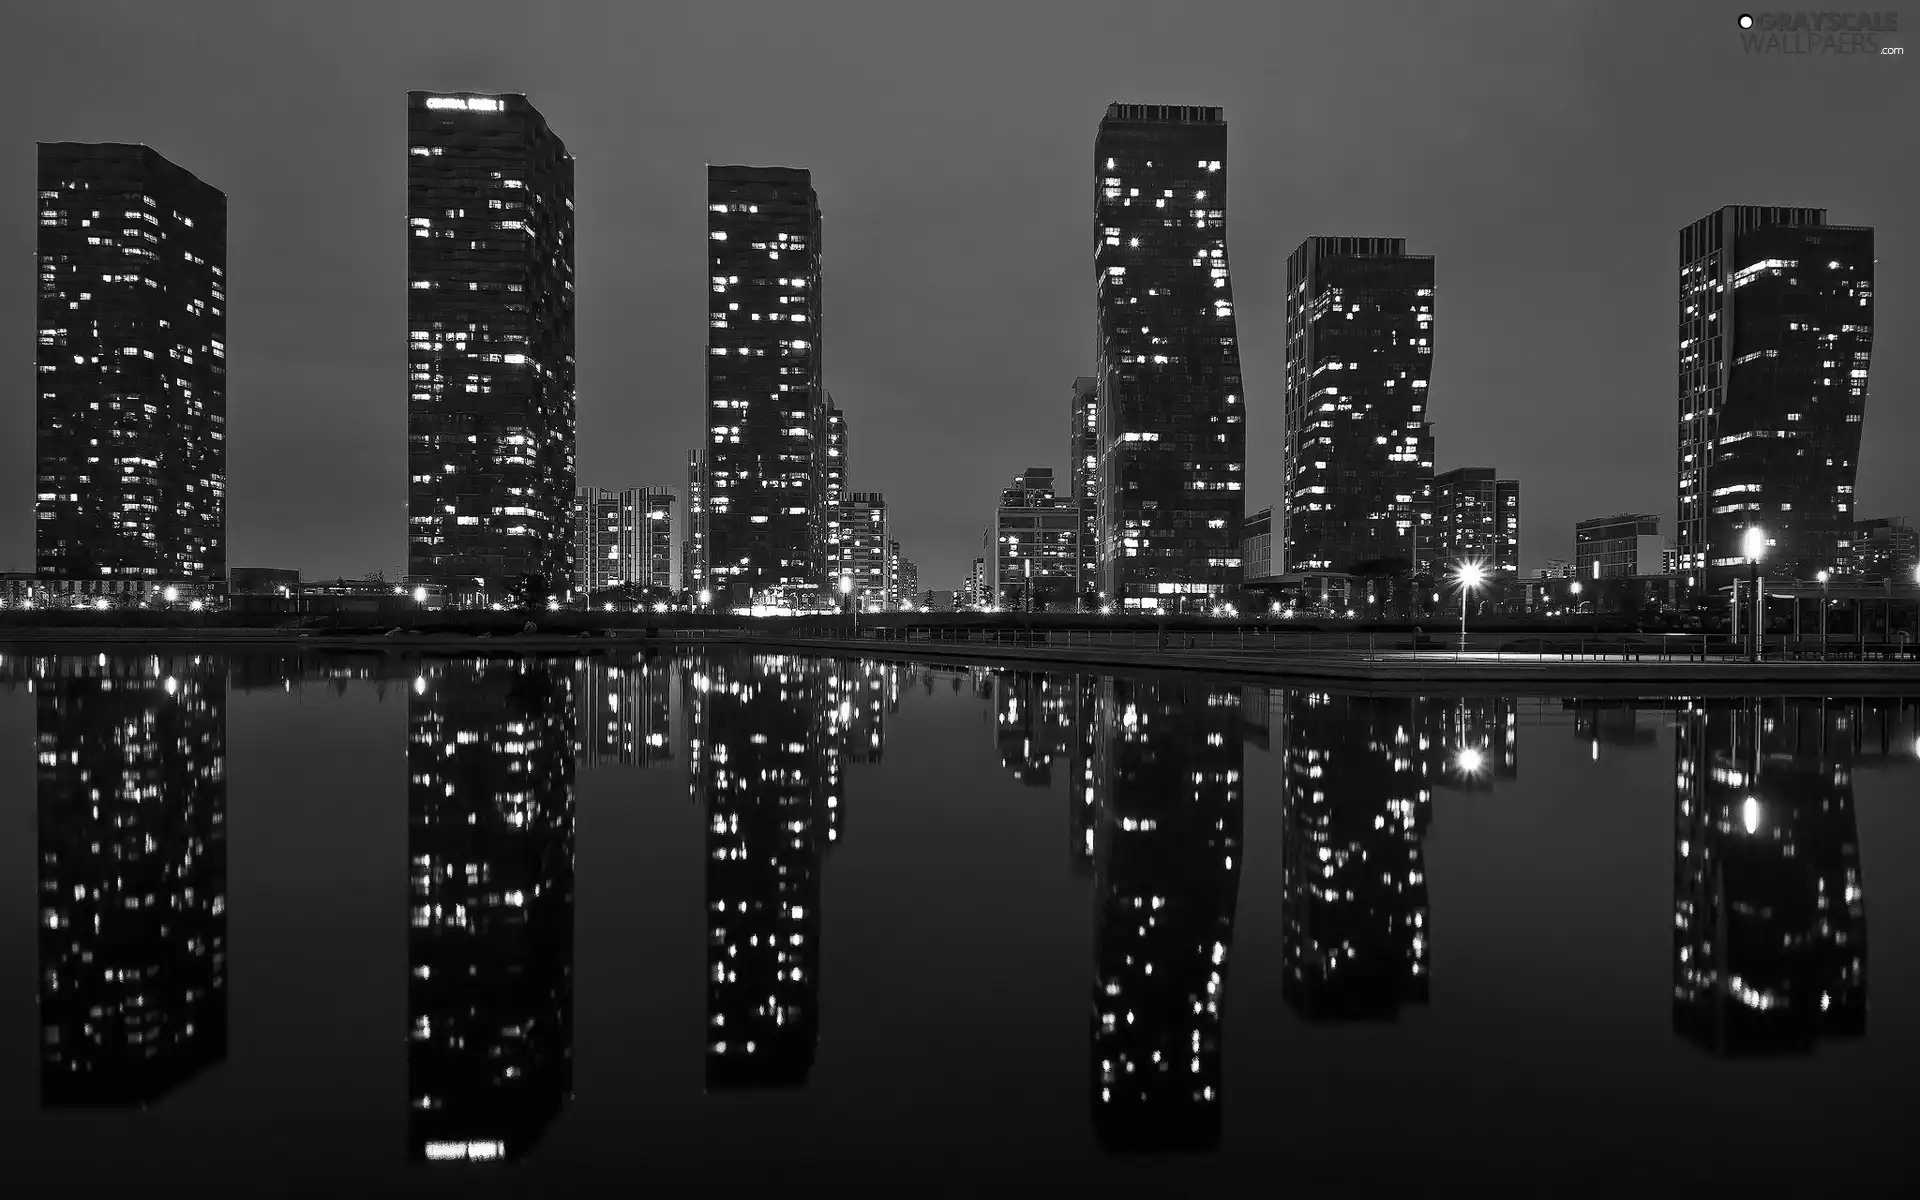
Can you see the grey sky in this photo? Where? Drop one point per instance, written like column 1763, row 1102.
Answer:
column 1544, row 153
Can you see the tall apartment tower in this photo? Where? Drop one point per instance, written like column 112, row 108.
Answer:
column 863, row 547
column 1172, row 428
column 1776, row 334
column 693, row 547
column 131, row 395
column 1358, row 456
column 1083, row 469
column 490, row 368
column 765, row 513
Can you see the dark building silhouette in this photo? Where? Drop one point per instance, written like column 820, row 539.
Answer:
column 490, row 338
column 1167, row 777
column 131, row 374
column 1776, row 333
column 1769, row 920
column 490, row 824
column 765, row 523
column 766, row 767
column 1357, row 803
column 1172, row 418
column 1358, row 455
column 133, row 876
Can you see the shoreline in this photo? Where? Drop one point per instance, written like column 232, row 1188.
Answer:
column 1392, row 668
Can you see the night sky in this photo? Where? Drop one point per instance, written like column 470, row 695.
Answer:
column 1545, row 153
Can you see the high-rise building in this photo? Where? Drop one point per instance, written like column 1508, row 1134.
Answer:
column 1620, row 545
column 133, row 876
column 834, row 470
column 863, row 548
column 903, row 579
column 1083, row 470
column 1476, row 518
column 490, row 368
column 1776, row 335
column 1172, row 427
column 490, row 836
column 693, row 547
column 1358, row 455
column 623, row 537
column 131, row 378
column 765, row 518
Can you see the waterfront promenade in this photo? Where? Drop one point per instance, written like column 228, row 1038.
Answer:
column 1357, row 659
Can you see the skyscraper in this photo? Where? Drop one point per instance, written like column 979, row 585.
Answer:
column 131, row 379
column 1083, row 471
column 1036, row 546
column 1172, row 429
column 835, row 482
column 490, row 306
column 1476, row 519
column 765, row 515
column 1776, row 334
column 693, row 548
column 1358, row 457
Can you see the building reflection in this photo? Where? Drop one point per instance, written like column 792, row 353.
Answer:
column 626, row 713
column 1358, row 797
column 1769, row 924
column 1032, row 724
column 1166, row 776
column 133, row 875
column 490, row 810
column 770, row 737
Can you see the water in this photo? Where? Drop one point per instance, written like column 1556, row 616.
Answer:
column 369, row 923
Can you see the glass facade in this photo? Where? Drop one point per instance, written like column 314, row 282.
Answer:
column 490, row 342
column 1476, row 519
column 131, row 375
column 1172, row 431
column 1358, row 457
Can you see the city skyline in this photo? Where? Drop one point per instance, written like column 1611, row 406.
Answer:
column 1578, row 446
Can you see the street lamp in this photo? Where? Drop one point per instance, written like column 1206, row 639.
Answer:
column 1753, row 544
column 1822, row 577
column 853, row 610
column 1469, row 575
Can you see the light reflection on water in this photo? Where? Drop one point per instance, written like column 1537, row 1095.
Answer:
column 1167, row 842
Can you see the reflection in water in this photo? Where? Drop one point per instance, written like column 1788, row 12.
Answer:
column 625, row 713
column 769, row 737
column 490, row 811
column 1032, row 712
column 1358, row 799
column 1769, row 925
column 1167, row 761
column 133, row 876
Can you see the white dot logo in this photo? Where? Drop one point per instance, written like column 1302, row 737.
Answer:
column 1746, row 21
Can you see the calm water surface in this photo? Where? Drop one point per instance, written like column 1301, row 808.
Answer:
column 324, row 924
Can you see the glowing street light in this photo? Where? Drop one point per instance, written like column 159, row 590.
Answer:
column 171, row 594
column 1753, row 547
column 419, row 595
column 1469, row 761
column 1468, row 576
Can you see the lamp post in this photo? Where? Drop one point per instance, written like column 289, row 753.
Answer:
column 1822, row 577
column 1753, row 544
column 1468, row 576
column 853, row 602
